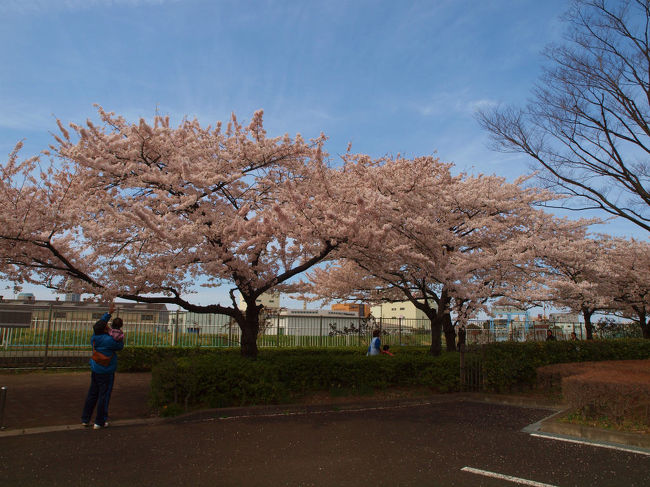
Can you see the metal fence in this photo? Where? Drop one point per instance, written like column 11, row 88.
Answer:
column 489, row 331
column 52, row 336
column 46, row 339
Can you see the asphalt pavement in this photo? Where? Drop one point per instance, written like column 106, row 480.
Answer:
column 439, row 440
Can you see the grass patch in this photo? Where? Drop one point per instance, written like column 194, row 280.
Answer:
column 604, row 422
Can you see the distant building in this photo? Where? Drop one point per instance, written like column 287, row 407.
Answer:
column 559, row 318
column 311, row 322
column 404, row 310
column 567, row 322
column 360, row 309
column 270, row 300
column 73, row 298
column 26, row 309
column 190, row 322
column 509, row 313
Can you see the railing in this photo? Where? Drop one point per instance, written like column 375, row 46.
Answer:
column 284, row 331
column 489, row 331
column 48, row 338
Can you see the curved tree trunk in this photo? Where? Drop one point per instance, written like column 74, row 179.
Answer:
column 249, row 325
column 450, row 333
column 643, row 322
column 589, row 328
column 435, row 321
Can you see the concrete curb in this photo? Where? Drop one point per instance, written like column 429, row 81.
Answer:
column 247, row 411
column 517, row 401
column 553, row 429
column 78, row 426
column 596, row 434
column 550, row 427
column 300, row 409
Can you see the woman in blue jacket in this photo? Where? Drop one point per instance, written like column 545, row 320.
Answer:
column 375, row 344
column 102, row 366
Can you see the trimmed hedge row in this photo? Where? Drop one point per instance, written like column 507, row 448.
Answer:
column 185, row 378
column 512, row 366
column 225, row 379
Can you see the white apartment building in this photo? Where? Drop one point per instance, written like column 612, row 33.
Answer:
column 270, row 300
column 568, row 322
column 311, row 322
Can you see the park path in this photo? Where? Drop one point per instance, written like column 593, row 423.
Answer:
column 442, row 442
column 36, row 399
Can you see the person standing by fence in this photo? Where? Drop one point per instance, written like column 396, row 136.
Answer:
column 103, row 364
column 375, row 344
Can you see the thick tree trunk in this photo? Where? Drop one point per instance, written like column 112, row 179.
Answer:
column 249, row 326
column 645, row 326
column 589, row 328
column 435, row 321
column 450, row 333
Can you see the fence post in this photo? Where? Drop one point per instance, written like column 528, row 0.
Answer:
column 175, row 331
column 381, row 325
column 359, row 335
column 277, row 333
column 47, row 338
column 3, row 400
column 320, row 332
column 399, row 332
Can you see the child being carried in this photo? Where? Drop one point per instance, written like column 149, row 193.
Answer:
column 116, row 330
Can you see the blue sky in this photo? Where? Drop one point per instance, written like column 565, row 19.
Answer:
column 389, row 77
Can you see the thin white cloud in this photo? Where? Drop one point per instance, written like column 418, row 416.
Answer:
column 444, row 103
column 42, row 6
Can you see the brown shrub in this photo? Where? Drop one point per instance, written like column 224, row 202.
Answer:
column 616, row 390
column 549, row 377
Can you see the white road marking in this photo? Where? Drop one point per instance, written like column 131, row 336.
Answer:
column 324, row 411
column 589, row 443
column 509, row 478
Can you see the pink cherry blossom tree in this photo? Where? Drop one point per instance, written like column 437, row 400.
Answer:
column 142, row 211
column 575, row 278
column 626, row 272
column 565, row 270
column 446, row 243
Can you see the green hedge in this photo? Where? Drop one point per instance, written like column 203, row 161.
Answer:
column 220, row 379
column 185, row 378
column 143, row 359
column 511, row 366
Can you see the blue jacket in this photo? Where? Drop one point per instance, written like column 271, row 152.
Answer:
column 375, row 347
column 105, row 344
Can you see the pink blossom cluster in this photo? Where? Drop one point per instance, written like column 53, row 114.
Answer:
column 143, row 211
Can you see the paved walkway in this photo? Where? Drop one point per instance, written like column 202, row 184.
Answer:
column 444, row 441
column 52, row 400
column 37, row 399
